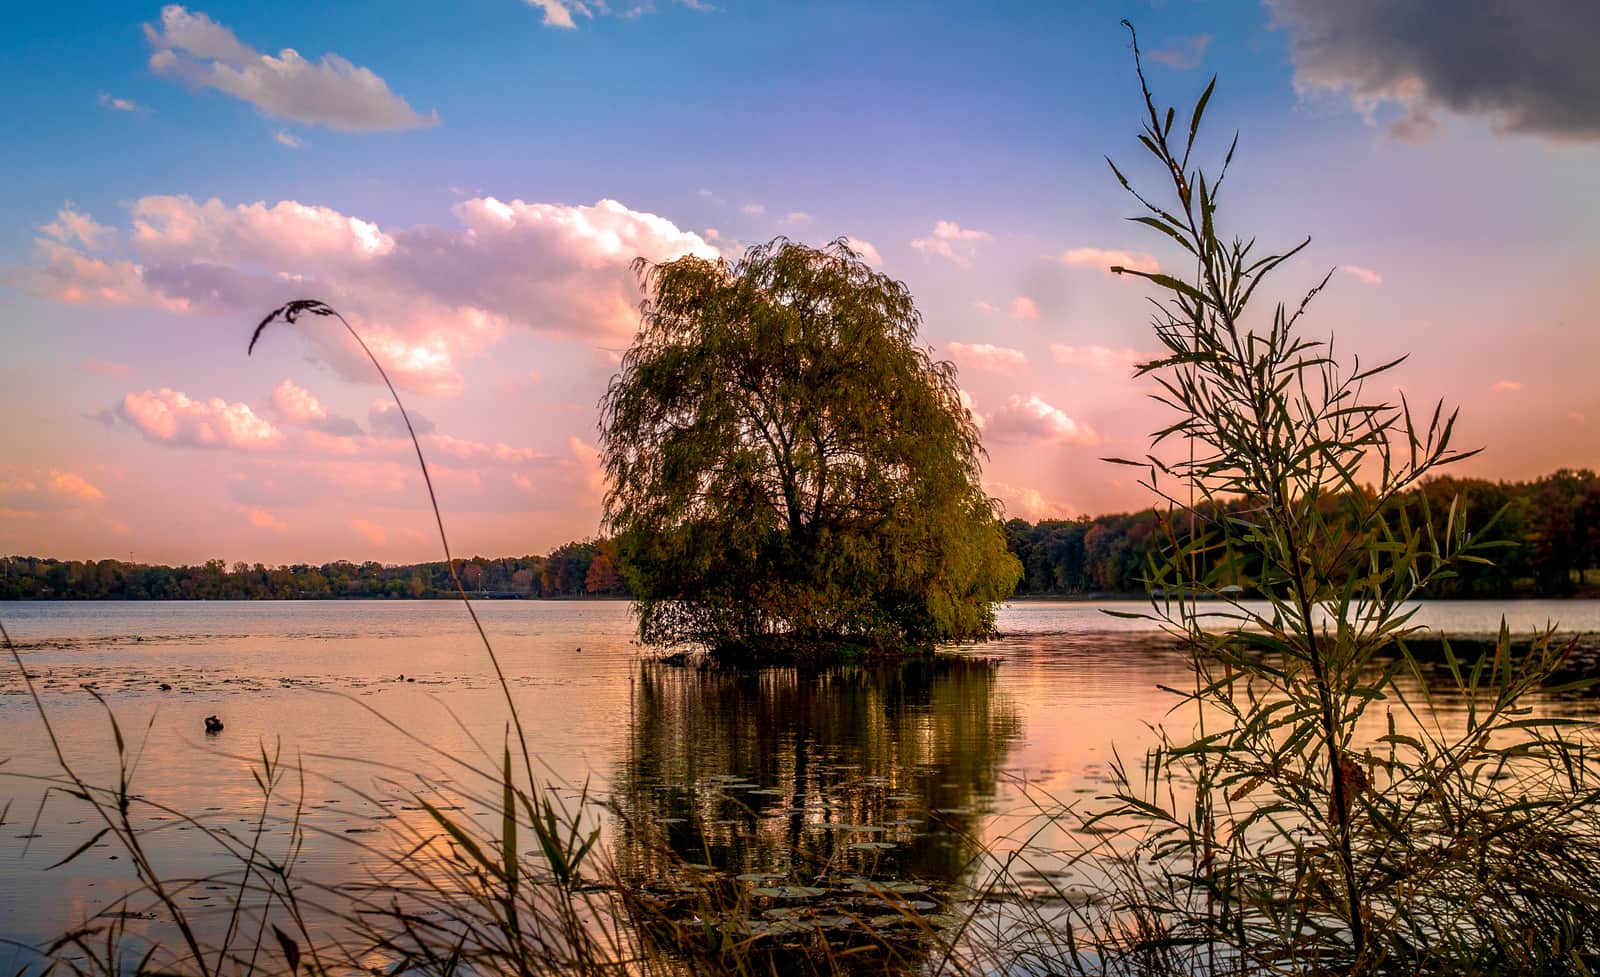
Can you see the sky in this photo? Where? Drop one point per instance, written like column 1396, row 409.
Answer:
column 470, row 182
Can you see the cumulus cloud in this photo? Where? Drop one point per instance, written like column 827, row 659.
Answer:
column 298, row 406
column 425, row 297
column 172, row 416
column 1366, row 275
column 984, row 356
column 1526, row 65
column 1105, row 260
column 1032, row 419
column 329, row 92
column 1103, row 359
column 1024, row 309
column 952, row 241
column 868, row 253
column 1182, row 54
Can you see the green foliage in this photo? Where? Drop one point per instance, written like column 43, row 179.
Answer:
column 787, row 465
column 1320, row 819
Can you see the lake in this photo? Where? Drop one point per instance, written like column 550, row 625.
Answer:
column 901, row 772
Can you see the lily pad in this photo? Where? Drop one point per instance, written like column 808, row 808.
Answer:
column 789, row 891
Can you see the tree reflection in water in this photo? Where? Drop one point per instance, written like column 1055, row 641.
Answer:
column 858, row 775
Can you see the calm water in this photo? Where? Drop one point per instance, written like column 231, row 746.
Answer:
column 895, row 773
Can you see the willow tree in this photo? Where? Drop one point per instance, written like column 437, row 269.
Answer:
column 789, row 468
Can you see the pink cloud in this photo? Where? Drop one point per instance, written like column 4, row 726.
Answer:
column 296, row 404
column 458, row 450
column 74, row 487
column 1105, row 260
column 951, row 241
column 1507, row 386
column 1104, row 359
column 1032, row 419
column 984, row 356
column 70, row 226
column 370, row 531
column 262, row 519
column 1023, row 309
column 426, row 298
column 1366, row 275
column 172, row 416
column 868, row 253
column 1028, row 503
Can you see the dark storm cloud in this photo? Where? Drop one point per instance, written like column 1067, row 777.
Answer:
column 1530, row 66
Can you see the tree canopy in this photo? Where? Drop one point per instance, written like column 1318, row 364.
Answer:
column 788, row 465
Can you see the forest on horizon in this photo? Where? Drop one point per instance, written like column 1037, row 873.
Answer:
column 1544, row 543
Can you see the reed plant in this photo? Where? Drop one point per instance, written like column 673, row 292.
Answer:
column 1306, row 813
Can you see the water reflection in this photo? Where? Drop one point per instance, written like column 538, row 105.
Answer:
column 882, row 771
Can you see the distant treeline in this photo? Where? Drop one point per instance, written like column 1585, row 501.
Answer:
column 575, row 570
column 1546, row 538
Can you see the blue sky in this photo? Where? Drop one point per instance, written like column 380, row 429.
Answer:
column 964, row 143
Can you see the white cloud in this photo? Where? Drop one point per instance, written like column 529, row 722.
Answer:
column 120, row 104
column 952, row 241
column 330, row 92
column 172, row 416
column 1023, row 309
column 1366, row 275
column 868, row 253
column 795, row 217
column 563, row 13
column 1104, row 260
column 754, row 210
column 425, row 298
column 1101, row 358
column 1182, row 54
column 1031, row 419
column 984, row 356
column 556, row 13
column 284, row 137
